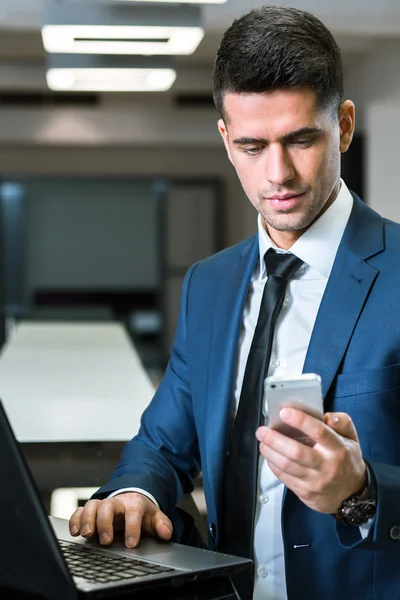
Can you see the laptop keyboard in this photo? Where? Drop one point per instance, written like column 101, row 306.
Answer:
column 98, row 568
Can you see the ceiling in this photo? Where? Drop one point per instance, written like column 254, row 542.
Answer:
column 22, row 58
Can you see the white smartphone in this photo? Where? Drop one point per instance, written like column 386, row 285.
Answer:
column 302, row 392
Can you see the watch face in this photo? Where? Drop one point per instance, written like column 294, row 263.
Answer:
column 358, row 512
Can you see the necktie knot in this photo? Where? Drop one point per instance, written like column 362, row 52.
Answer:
column 281, row 265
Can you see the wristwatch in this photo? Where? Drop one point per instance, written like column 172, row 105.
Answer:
column 360, row 508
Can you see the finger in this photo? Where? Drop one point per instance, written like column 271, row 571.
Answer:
column 156, row 523
column 75, row 521
column 314, row 428
column 285, row 464
column 162, row 526
column 88, row 518
column 289, row 450
column 342, row 424
column 106, row 511
column 134, row 520
column 261, row 431
column 331, row 419
column 298, row 486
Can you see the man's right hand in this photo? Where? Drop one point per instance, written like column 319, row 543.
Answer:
column 128, row 512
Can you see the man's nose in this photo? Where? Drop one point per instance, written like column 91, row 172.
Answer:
column 279, row 167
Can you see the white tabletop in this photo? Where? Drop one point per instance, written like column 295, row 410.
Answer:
column 73, row 382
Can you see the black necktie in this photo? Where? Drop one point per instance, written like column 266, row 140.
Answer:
column 242, row 466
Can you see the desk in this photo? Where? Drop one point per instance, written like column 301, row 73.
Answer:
column 66, row 382
column 74, row 393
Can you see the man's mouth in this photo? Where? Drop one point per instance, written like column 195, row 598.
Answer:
column 284, row 201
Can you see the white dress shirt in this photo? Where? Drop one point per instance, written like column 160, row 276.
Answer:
column 317, row 247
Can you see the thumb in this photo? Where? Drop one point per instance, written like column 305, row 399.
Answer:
column 161, row 525
column 342, row 424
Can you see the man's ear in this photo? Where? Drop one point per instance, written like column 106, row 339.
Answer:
column 224, row 134
column 346, row 124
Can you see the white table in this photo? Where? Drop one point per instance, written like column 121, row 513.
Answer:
column 73, row 382
column 74, row 393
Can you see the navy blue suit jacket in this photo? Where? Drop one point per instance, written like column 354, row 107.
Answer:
column 355, row 347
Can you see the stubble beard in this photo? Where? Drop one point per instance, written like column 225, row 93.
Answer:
column 287, row 220
column 285, row 223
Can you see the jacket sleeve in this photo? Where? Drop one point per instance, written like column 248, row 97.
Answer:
column 163, row 458
column 384, row 533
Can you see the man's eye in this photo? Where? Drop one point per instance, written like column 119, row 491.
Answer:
column 303, row 142
column 252, row 150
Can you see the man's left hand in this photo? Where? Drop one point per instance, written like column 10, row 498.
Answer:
column 323, row 475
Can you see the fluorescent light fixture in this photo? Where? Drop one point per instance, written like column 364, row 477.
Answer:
column 116, row 29
column 72, row 73
column 96, row 39
column 110, row 80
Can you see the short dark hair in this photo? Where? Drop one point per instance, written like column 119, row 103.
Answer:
column 274, row 47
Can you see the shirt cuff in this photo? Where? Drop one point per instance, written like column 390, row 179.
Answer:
column 138, row 490
column 364, row 529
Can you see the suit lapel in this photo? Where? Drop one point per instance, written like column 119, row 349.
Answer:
column 346, row 292
column 224, row 341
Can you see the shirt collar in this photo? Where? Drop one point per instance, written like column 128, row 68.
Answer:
column 318, row 245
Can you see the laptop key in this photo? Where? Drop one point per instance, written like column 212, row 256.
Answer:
column 137, row 573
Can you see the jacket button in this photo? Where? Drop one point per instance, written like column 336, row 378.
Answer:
column 395, row 532
column 211, row 529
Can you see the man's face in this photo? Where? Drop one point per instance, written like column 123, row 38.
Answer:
column 286, row 152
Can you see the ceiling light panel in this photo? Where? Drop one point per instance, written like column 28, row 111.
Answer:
column 93, row 73
column 110, row 80
column 116, row 29
column 95, row 39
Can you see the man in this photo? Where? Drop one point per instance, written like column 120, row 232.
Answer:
column 327, row 520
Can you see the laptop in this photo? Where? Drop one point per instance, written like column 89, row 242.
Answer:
column 38, row 556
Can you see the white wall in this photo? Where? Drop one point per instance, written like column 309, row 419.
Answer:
column 373, row 82
column 383, row 158
column 372, row 75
